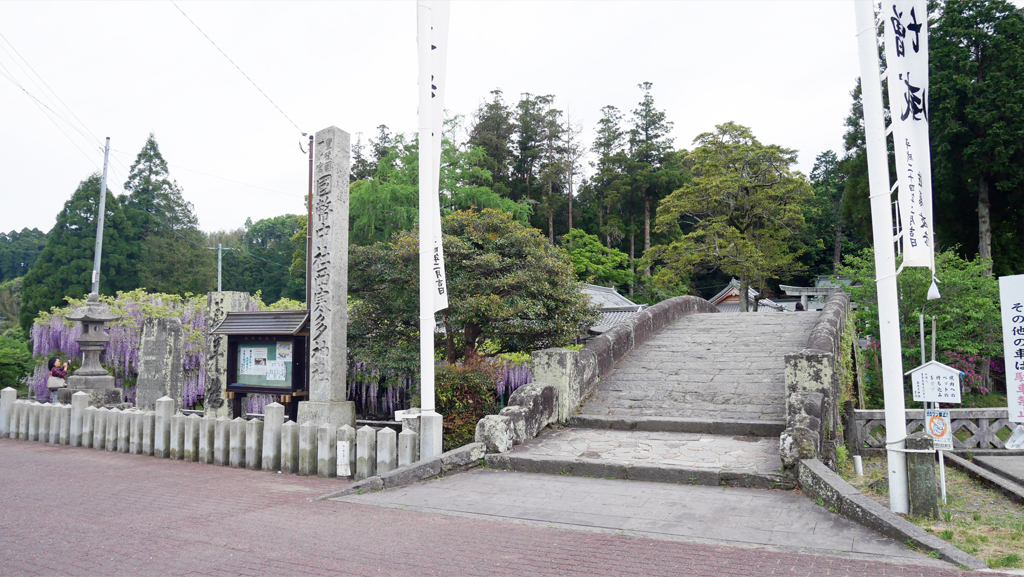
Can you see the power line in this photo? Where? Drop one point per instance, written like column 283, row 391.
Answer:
column 52, row 91
column 238, row 67
column 218, row 177
column 44, row 108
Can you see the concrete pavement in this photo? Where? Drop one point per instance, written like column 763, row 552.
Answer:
column 68, row 511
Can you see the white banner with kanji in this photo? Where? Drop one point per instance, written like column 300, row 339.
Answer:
column 438, row 14
column 906, row 57
column 1011, row 308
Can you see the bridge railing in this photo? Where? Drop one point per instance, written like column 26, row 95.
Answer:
column 972, row 428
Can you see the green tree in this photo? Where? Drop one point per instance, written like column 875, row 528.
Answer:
column 743, row 209
column 15, row 361
column 967, row 315
column 649, row 145
column 64, row 268
column 508, row 286
column 492, row 132
column 529, row 145
column 977, row 126
column 263, row 260
column 596, row 263
column 10, row 303
column 389, row 202
column 608, row 182
column 823, row 213
column 170, row 253
column 19, row 251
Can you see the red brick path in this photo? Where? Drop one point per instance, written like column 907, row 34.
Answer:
column 72, row 511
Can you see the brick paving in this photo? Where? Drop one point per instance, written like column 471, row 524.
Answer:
column 69, row 511
column 696, row 450
column 721, row 366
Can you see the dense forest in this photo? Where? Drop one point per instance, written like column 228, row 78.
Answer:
column 635, row 209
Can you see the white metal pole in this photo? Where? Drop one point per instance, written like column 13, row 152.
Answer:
column 942, row 475
column 885, row 258
column 426, row 234
column 98, row 253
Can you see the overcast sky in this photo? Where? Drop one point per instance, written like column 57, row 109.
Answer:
column 125, row 69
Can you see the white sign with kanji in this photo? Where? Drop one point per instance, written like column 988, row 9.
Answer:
column 1011, row 307
column 934, row 382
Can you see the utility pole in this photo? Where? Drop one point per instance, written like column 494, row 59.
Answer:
column 220, row 258
column 98, row 253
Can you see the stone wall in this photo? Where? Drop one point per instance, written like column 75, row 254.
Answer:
column 812, row 390
column 562, row 378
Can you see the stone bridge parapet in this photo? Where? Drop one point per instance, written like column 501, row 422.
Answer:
column 812, row 390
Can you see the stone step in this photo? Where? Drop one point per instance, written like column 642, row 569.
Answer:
column 761, row 428
column 639, row 471
column 666, row 456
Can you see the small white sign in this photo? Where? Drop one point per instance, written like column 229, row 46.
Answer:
column 938, row 425
column 344, row 470
column 934, row 382
column 276, row 371
column 1011, row 308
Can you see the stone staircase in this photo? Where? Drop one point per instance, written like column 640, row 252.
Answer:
column 701, row 402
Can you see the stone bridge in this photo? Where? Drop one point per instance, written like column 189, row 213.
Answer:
column 703, row 400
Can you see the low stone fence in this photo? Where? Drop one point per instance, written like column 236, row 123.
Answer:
column 812, row 390
column 563, row 378
column 269, row 443
column 865, row 429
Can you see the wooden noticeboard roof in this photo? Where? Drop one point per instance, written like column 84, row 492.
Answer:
column 263, row 323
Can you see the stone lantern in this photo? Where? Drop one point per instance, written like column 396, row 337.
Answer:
column 92, row 377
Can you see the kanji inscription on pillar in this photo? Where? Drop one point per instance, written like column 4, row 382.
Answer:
column 328, row 323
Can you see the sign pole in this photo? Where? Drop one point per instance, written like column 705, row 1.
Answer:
column 885, row 259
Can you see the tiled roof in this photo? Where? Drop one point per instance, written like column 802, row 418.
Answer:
column 263, row 323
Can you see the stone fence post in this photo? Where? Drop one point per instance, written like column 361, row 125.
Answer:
column 7, row 398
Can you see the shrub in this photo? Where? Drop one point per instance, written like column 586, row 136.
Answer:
column 464, row 395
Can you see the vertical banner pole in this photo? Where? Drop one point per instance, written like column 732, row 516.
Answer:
column 885, row 259
column 426, row 234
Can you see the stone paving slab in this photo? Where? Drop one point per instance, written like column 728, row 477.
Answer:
column 691, row 450
column 724, row 366
column 778, row 520
column 1011, row 467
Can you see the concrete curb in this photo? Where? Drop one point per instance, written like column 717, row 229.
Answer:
column 679, row 425
column 454, row 461
column 636, row 471
column 819, row 482
column 1007, row 487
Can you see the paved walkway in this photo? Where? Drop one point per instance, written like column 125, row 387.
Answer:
column 71, row 511
column 784, row 520
column 720, row 366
